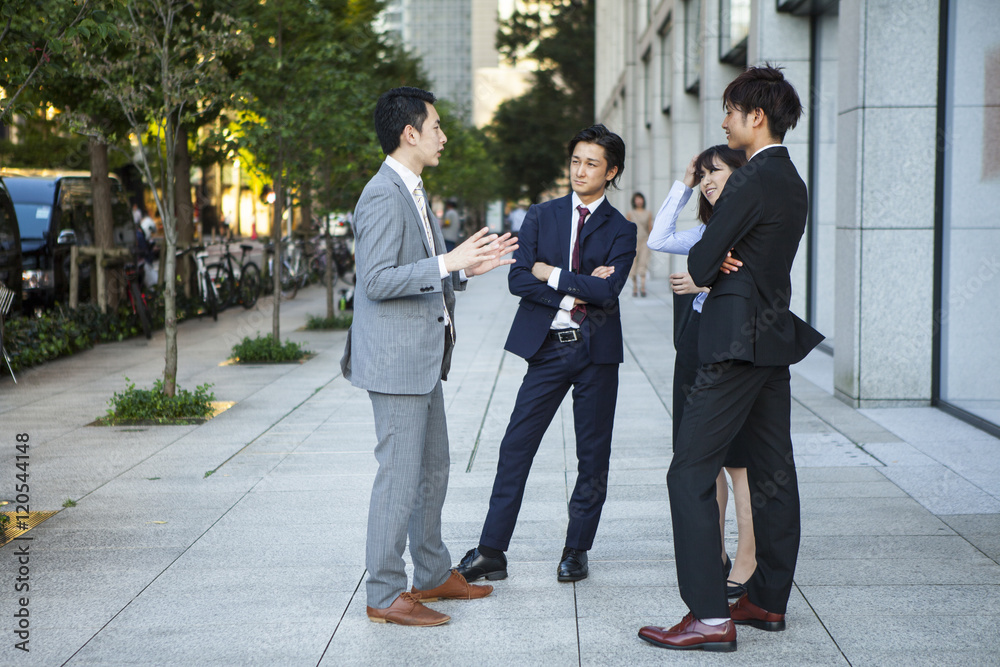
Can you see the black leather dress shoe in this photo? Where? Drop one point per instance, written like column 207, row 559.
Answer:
column 476, row 566
column 573, row 566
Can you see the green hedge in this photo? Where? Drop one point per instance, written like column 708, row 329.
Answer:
column 153, row 405
column 259, row 349
column 322, row 323
column 31, row 340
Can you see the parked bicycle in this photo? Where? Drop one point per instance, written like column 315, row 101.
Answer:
column 208, row 291
column 343, row 259
column 239, row 275
column 137, row 299
column 290, row 279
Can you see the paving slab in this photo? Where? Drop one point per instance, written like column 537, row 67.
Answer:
column 262, row 561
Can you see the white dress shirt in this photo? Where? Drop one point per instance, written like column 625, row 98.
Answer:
column 412, row 182
column 764, row 149
column 563, row 320
column 666, row 238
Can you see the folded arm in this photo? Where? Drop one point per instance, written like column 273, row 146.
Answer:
column 520, row 280
column 595, row 289
column 735, row 214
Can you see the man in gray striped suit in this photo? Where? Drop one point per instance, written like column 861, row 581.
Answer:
column 399, row 349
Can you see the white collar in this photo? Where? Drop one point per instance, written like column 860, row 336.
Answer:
column 763, row 149
column 410, row 180
column 592, row 206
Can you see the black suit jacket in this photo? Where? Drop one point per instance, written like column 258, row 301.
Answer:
column 761, row 215
column 608, row 239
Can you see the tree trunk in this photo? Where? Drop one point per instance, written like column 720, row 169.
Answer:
column 169, row 214
column 103, row 223
column 185, row 207
column 279, row 199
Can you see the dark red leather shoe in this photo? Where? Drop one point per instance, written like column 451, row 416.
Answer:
column 745, row 612
column 692, row 634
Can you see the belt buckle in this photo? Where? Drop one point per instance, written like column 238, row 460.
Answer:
column 567, row 335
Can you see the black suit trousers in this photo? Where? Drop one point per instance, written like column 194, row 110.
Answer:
column 730, row 398
column 551, row 372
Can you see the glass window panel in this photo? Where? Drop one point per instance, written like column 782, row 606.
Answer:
column 970, row 271
column 692, row 45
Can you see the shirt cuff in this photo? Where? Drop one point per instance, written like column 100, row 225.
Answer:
column 462, row 276
column 568, row 303
column 443, row 271
column 553, row 280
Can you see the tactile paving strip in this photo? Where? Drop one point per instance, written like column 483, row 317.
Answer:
column 16, row 527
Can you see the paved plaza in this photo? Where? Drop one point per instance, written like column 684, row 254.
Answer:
column 240, row 541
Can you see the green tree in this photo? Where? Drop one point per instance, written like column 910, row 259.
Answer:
column 468, row 172
column 33, row 31
column 531, row 131
column 174, row 66
column 307, row 91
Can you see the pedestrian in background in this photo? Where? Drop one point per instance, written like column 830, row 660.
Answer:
column 451, row 225
column 643, row 220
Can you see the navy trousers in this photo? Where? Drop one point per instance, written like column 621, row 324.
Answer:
column 551, row 372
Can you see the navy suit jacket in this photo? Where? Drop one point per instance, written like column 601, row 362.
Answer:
column 608, row 239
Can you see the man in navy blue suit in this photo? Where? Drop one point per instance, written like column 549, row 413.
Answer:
column 574, row 258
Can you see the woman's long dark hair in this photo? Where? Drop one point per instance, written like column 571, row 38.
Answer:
column 706, row 162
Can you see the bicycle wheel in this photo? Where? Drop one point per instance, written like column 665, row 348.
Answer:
column 225, row 284
column 249, row 285
column 211, row 299
column 317, row 271
column 140, row 309
column 289, row 282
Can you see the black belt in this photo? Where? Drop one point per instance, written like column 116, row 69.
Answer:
column 565, row 335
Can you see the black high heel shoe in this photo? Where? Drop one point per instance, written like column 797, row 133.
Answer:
column 735, row 590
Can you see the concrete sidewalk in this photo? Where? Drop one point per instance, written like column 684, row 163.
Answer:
column 262, row 561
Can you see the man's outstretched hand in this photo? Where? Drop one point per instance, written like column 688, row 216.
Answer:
column 480, row 253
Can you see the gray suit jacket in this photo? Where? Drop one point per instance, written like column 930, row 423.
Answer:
column 397, row 342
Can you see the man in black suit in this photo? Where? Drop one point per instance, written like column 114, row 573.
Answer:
column 574, row 256
column 748, row 338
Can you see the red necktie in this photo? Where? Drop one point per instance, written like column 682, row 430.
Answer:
column 579, row 312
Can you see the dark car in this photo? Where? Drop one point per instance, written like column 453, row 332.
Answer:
column 54, row 212
column 10, row 249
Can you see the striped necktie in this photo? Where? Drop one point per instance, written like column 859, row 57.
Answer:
column 418, row 194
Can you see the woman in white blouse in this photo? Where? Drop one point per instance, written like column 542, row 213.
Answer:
column 709, row 171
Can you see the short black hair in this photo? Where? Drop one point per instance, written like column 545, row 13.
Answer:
column 614, row 148
column 640, row 196
column 398, row 108
column 765, row 88
column 730, row 157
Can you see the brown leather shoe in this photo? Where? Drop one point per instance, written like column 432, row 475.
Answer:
column 745, row 612
column 692, row 634
column 455, row 587
column 407, row 610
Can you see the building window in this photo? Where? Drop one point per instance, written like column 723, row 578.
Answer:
column 647, row 89
column 666, row 68
column 734, row 27
column 692, row 46
column 969, row 320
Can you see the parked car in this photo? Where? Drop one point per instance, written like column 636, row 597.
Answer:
column 10, row 249
column 54, row 212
